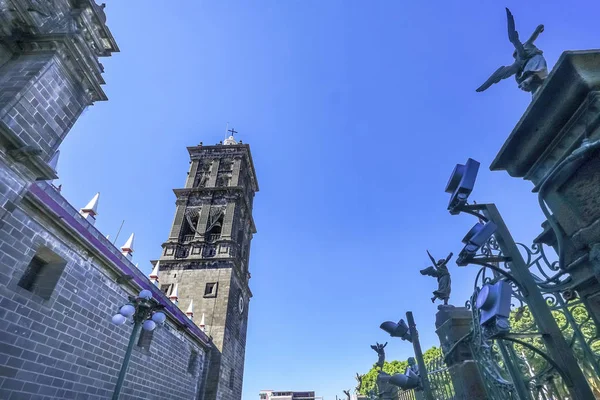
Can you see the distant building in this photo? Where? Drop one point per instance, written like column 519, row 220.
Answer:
column 286, row 395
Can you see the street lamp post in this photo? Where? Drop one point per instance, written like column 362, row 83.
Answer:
column 145, row 314
column 419, row 355
column 409, row 332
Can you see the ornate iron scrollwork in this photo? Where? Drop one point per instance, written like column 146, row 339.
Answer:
column 522, row 352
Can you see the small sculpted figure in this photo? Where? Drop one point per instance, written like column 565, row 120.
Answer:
column 379, row 348
column 359, row 379
column 386, row 390
column 440, row 271
column 529, row 68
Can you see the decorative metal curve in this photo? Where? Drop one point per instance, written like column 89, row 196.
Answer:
column 541, row 374
column 541, row 353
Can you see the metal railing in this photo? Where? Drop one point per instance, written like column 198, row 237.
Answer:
column 407, row 395
column 440, row 380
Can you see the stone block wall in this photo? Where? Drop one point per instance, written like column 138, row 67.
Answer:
column 64, row 345
column 214, row 306
column 39, row 101
column 49, row 73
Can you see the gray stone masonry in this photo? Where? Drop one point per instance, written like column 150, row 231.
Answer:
column 453, row 324
column 65, row 347
column 49, row 73
column 217, row 201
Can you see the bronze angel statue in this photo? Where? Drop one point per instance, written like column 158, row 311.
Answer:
column 359, row 379
column 379, row 348
column 529, row 68
column 440, row 271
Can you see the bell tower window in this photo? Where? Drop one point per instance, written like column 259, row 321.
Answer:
column 188, row 228
column 214, row 232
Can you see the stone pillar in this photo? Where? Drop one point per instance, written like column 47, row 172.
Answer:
column 212, row 180
column 191, row 178
column 178, row 220
column 202, row 222
column 235, row 176
column 565, row 111
column 452, row 324
column 228, row 220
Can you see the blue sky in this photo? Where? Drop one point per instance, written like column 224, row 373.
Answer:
column 356, row 113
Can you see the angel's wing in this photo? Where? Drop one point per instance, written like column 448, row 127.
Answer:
column 501, row 73
column 448, row 258
column 513, row 35
column 431, row 258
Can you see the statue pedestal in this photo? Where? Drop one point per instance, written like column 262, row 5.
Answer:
column 566, row 108
column 452, row 324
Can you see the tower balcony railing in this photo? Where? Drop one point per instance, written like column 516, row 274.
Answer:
column 213, row 237
column 209, row 238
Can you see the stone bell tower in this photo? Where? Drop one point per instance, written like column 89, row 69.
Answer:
column 205, row 259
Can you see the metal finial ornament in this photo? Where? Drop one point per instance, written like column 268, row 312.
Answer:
column 530, row 68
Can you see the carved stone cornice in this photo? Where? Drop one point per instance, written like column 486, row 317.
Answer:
column 585, row 120
column 78, row 35
column 231, row 151
column 573, row 77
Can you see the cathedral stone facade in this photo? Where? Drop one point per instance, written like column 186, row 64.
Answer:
column 61, row 280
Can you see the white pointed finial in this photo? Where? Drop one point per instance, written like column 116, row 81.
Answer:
column 107, row 236
column 53, row 163
column 137, row 265
column 127, row 249
column 173, row 296
column 202, row 326
column 90, row 211
column 190, row 310
column 154, row 274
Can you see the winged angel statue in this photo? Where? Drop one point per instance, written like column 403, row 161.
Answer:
column 529, row 68
column 440, row 271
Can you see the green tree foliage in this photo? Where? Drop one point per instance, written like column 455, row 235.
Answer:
column 431, row 354
column 393, row 367
column 531, row 363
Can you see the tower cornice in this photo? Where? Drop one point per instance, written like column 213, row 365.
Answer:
column 219, row 150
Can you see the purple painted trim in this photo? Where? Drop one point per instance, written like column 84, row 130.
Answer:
column 175, row 312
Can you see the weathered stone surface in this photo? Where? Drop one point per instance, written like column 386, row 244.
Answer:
column 49, row 73
column 453, row 324
column 575, row 74
column 65, row 346
column 219, row 191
